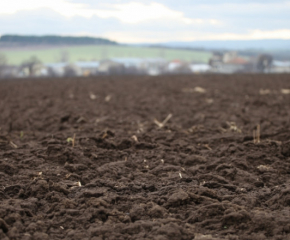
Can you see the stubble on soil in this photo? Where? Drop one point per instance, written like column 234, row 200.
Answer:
column 199, row 175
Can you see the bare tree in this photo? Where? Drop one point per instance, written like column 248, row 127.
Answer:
column 64, row 56
column 71, row 71
column 3, row 63
column 31, row 65
column 264, row 62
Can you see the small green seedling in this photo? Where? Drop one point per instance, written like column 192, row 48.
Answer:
column 21, row 134
column 72, row 140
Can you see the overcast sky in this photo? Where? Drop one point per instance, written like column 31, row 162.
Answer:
column 149, row 21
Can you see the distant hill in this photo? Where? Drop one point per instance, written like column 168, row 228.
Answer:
column 269, row 44
column 53, row 40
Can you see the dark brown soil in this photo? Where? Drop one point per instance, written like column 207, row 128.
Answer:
column 200, row 176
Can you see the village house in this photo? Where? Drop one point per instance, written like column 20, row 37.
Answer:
column 109, row 67
column 280, row 67
column 56, row 69
column 132, row 65
column 228, row 63
column 88, row 68
column 10, row 71
column 154, row 66
column 178, row 67
column 141, row 66
column 199, row 68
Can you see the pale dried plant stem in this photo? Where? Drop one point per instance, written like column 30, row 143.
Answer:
column 13, row 144
column 258, row 133
column 254, row 136
column 74, row 140
column 167, row 119
column 161, row 125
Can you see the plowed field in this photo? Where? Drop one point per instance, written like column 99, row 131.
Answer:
column 171, row 157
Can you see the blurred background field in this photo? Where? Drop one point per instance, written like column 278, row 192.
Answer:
column 97, row 52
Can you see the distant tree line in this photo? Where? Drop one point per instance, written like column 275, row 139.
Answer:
column 3, row 63
column 54, row 40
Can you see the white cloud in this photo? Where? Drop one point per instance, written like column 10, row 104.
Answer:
column 135, row 12
column 130, row 13
column 61, row 6
column 253, row 35
column 276, row 34
column 134, row 21
column 143, row 36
